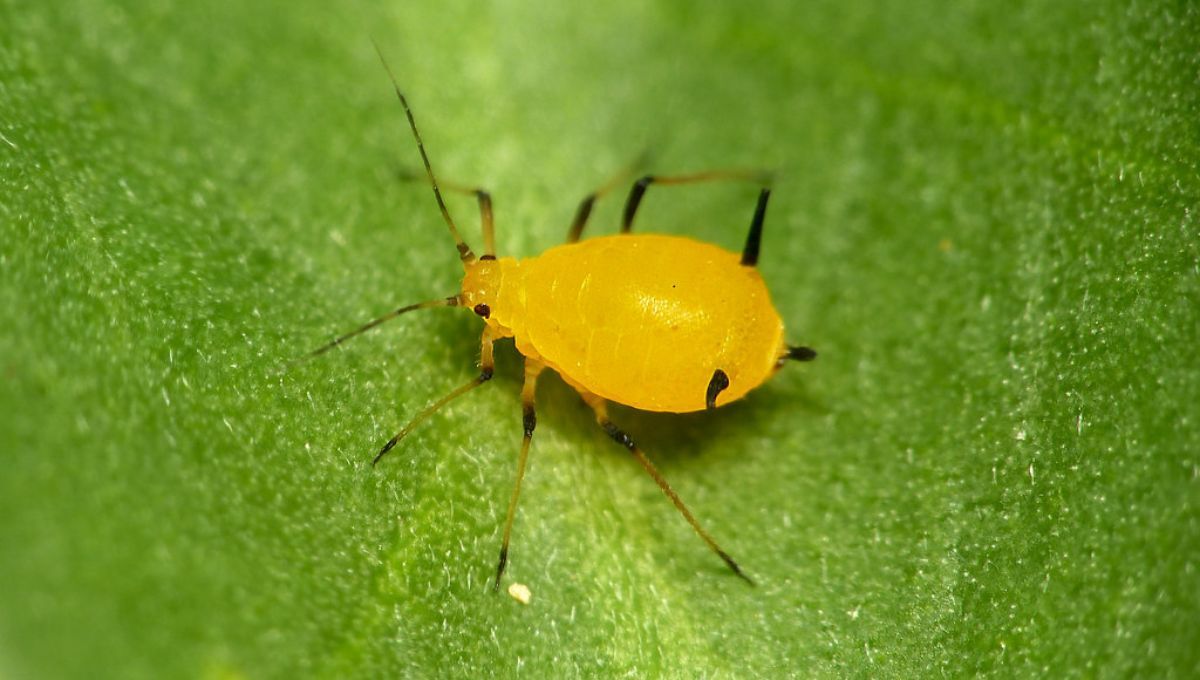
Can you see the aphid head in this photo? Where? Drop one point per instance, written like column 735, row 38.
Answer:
column 480, row 283
column 482, row 287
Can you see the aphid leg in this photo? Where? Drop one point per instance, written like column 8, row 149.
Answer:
column 800, row 353
column 485, row 207
column 600, row 406
column 533, row 367
column 639, row 187
column 754, row 238
column 795, row 353
column 486, row 367
column 585, row 206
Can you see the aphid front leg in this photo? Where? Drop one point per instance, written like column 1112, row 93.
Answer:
column 600, row 407
column 486, row 220
column 533, row 368
column 487, row 367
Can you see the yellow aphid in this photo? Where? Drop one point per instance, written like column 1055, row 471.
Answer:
column 659, row 323
column 645, row 321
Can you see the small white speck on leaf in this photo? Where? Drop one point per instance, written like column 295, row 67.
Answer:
column 125, row 187
column 520, row 592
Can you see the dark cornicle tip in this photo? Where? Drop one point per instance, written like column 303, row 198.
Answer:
column 716, row 385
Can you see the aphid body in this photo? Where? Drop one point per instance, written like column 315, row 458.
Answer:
column 659, row 323
column 641, row 320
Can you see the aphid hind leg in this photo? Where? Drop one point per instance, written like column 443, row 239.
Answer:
column 486, row 220
column 639, row 187
column 600, row 407
column 487, row 366
column 533, row 368
column 800, row 353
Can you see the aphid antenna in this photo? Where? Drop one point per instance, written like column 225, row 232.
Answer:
column 451, row 301
column 464, row 251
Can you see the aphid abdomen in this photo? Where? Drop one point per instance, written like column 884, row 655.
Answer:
column 645, row 320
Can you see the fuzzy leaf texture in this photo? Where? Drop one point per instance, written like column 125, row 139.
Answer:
column 984, row 219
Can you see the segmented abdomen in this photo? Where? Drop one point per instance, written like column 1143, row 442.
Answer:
column 644, row 320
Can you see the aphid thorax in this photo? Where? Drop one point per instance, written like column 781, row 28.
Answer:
column 491, row 287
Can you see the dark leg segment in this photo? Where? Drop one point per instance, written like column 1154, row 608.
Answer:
column 485, row 208
column 801, row 353
column 600, row 406
column 529, row 420
column 754, row 238
column 581, row 217
column 487, row 366
column 584, row 211
column 640, row 186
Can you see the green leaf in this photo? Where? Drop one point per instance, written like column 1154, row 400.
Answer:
column 985, row 220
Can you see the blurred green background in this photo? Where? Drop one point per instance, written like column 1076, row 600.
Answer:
column 985, row 221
